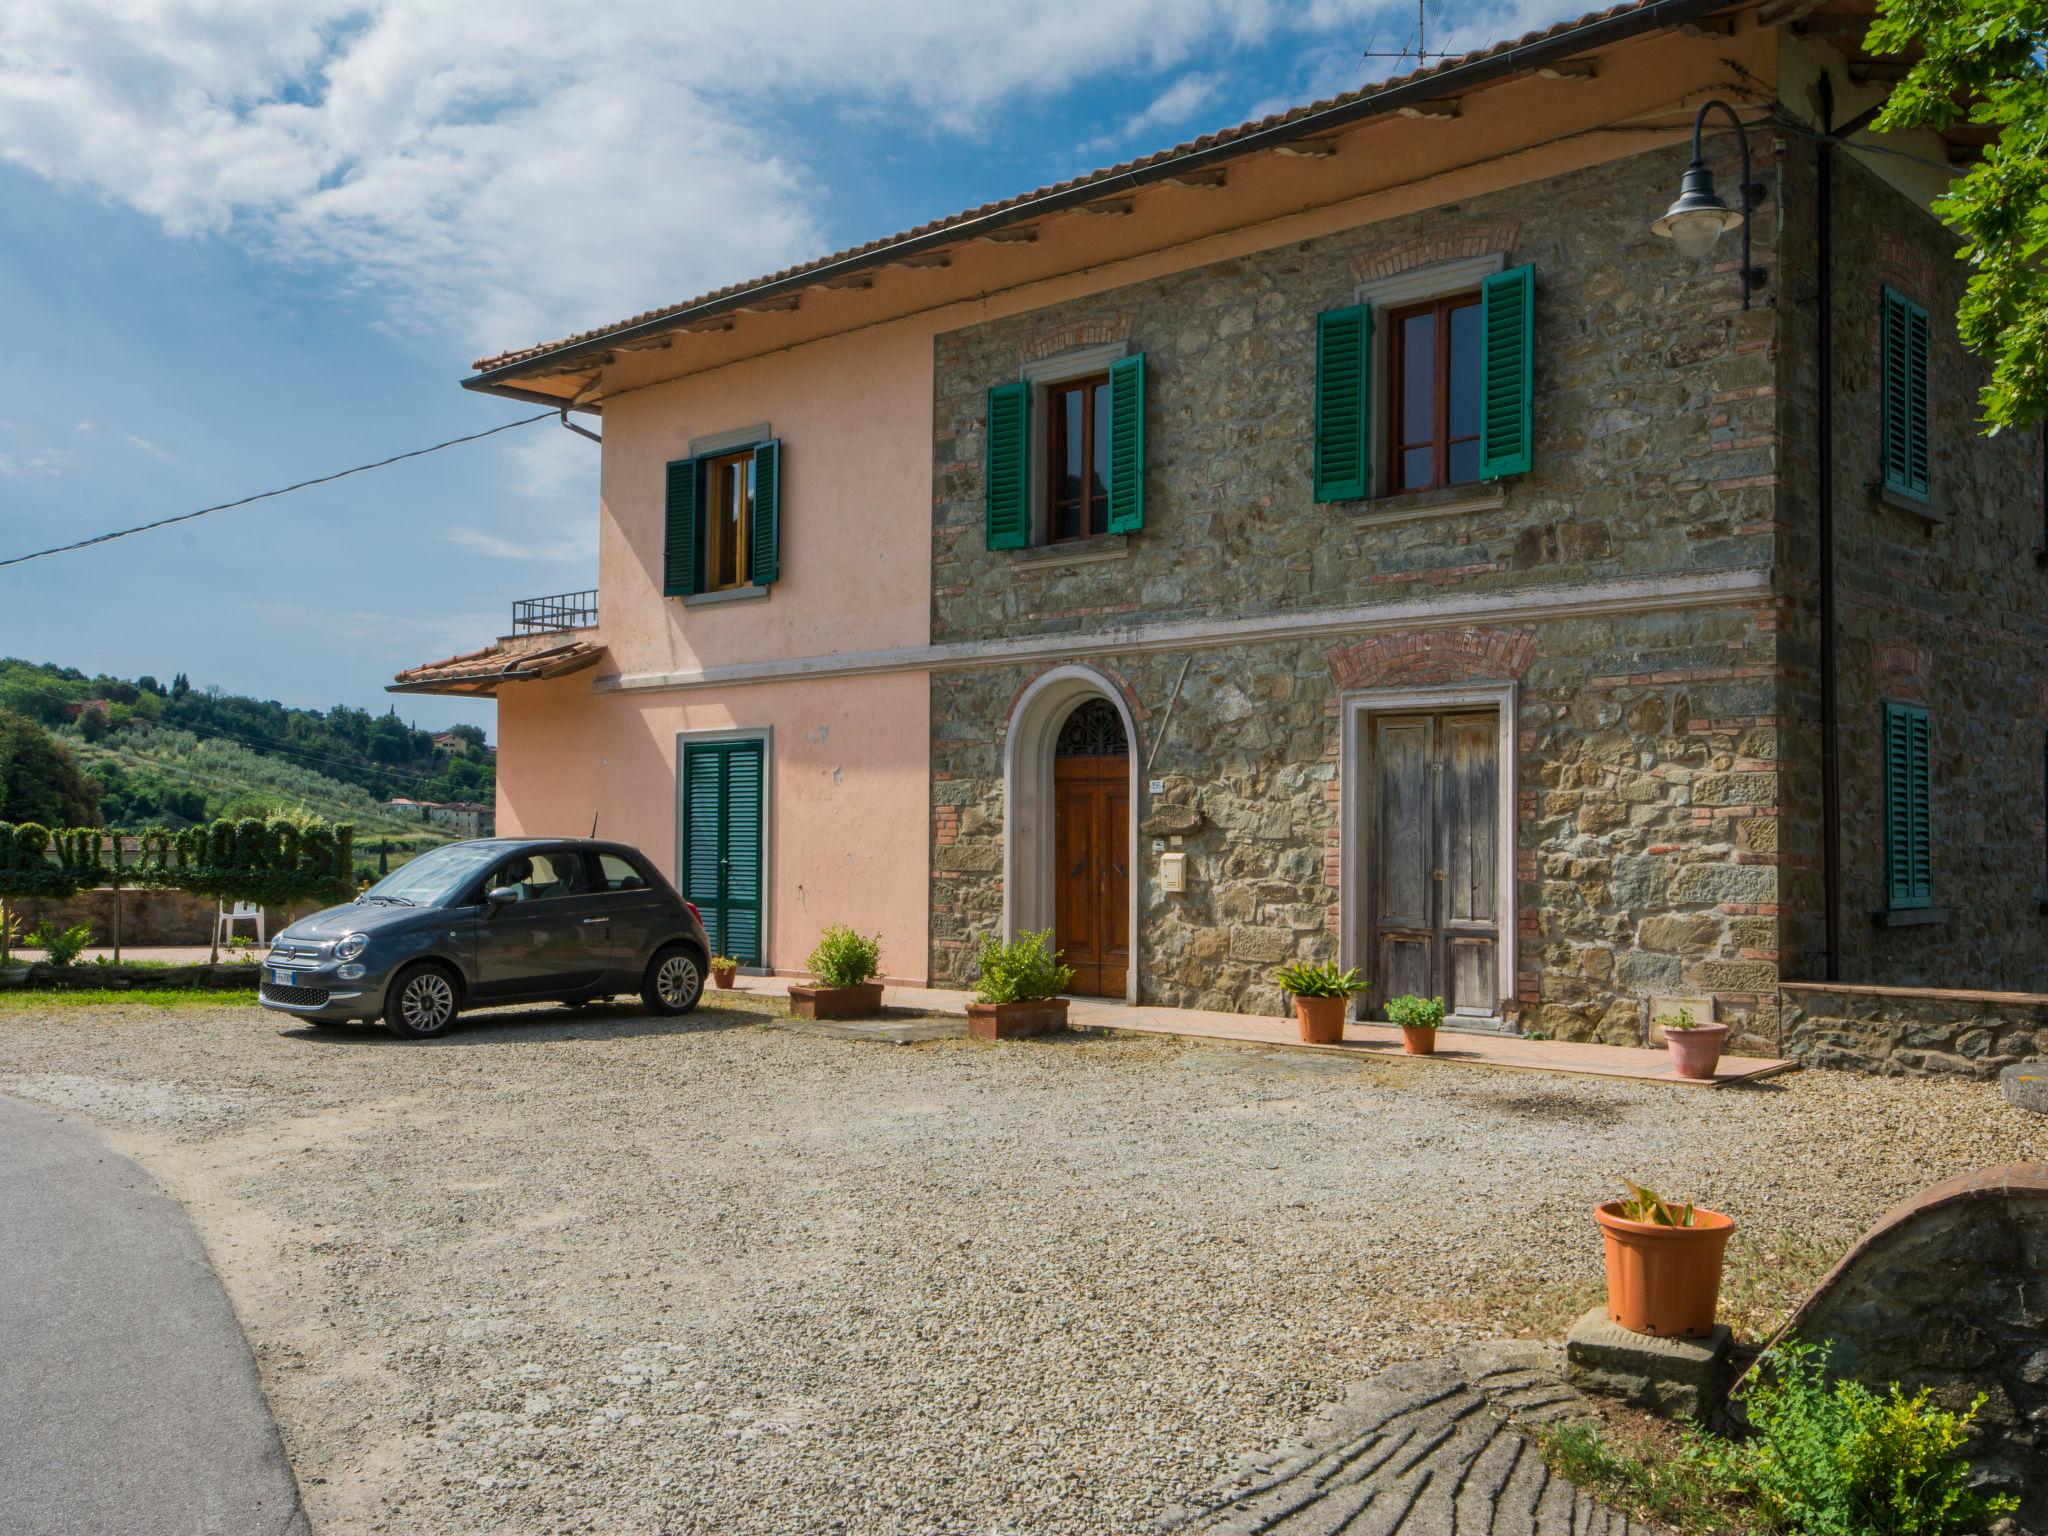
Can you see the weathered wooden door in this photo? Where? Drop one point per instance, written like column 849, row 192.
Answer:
column 1432, row 886
column 1091, row 850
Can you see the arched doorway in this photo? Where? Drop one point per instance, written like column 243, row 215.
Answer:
column 1091, row 772
column 1068, row 798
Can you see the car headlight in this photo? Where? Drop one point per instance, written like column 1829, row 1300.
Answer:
column 352, row 946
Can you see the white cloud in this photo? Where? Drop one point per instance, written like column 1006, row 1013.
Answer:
column 577, row 548
column 144, row 445
column 1169, row 109
column 36, row 461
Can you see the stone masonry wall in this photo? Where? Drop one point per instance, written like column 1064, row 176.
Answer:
column 1911, row 1031
column 1943, row 608
column 1647, row 827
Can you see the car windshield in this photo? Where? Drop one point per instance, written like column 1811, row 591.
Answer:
column 435, row 878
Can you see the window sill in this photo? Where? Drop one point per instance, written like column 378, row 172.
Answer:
column 1923, row 512
column 1060, row 557
column 1909, row 917
column 1486, row 496
column 729, row 595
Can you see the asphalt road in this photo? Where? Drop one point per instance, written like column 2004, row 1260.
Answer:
column 128, row 1397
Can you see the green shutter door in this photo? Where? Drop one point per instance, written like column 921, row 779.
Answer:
column 764, row 558
column 1908, row 815
column 1009, row 470
column 679, row 522
column 1905, row 396
column 1127, row 444
column 1343, row 391
column 1507, row 415
column 721, row 856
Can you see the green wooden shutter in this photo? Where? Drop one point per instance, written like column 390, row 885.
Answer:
column 1507, row 406
column 679, row 549
column 723, row 796
column 1343, row 403
column 1127, row 444
column 1908, row 819
column 1008, row 489
column 1906, row 447
column 764, row 558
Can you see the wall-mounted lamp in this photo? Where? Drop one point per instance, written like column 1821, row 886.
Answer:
column 1700, row 216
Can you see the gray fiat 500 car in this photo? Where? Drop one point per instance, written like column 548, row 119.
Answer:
column 498, row 920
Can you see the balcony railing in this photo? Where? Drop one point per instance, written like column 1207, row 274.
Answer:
column 543, row 615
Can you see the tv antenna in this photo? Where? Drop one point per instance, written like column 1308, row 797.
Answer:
column 1420, row 53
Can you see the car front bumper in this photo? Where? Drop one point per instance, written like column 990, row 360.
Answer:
column 316, row 992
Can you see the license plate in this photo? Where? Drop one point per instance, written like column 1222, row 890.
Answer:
column 282, row 978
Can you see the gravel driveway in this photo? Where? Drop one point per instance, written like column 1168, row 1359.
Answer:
column 602, row 1272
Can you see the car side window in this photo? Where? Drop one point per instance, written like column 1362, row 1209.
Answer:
column 616, row 874
column 543, row 876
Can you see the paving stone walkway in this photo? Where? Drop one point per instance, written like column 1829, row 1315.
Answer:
column 1427, row 1449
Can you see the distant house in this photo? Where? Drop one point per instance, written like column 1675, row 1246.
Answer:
column 462, row 817
column 458, row 745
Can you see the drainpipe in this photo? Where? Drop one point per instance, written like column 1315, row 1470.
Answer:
column 1830, row 759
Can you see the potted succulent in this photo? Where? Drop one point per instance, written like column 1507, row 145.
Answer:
column 1418, row 1018
column 1695, row 1048
column 842, row 984
column 1663, row 1264
column 1017, row 987
column 1322, row 997
column 724, row 968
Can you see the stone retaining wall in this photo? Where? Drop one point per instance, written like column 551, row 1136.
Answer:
column 1910, row 1031
column 148, row 917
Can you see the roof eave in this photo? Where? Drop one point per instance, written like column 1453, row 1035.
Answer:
column 1653, row 17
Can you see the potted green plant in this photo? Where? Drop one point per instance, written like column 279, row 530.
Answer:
column 1663, row 1263
column 1017, row 987
column 842, row 984
column 1322, row 996
column 724, row 968
column 1418, row 1018
column 1695, row 1048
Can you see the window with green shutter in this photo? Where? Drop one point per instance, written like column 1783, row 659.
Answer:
column 722, row 520
column 1007, row 480
column 1908, row 814
column 1127, row 444
column 1343, row 403
column 1906, row 428
column 1507, row 406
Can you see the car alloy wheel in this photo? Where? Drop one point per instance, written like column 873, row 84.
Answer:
column 427, row 1003
column 678, row 981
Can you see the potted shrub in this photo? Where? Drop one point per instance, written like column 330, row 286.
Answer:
column 1418, row 1018
column 1017, row 987
column 1663, row 1264
column 1322, row 996
column 724, row 968
column 842, row 984
column 1695, row 1048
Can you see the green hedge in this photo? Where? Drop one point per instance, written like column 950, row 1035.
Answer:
column 273, row 863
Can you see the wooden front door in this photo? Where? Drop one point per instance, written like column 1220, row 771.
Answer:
column 1432, row 887
column 1092, row 850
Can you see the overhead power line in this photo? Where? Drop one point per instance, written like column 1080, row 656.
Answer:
column 282, row 490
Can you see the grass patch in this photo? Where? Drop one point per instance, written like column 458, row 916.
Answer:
column 1648, row 1477
column 106, row 997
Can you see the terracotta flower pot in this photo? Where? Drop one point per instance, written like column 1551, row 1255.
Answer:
column 1321, row 1019
column 1418, row 1039
column 1695, row 1052
column 1013, row 1021
column 724, row 975
column 860, row 1002
column 1663, row 1281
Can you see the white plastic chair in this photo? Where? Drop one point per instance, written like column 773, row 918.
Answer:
column 244, row 912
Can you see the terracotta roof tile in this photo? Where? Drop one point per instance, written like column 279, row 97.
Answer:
column 1158, row 161
column 517, row 660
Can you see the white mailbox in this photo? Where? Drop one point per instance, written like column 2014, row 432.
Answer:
column 1173, row 873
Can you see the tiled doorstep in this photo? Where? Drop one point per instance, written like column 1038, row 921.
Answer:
column 1512, row 1053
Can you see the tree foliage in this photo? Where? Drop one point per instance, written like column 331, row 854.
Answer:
column 39, row 780
column 1987, row 60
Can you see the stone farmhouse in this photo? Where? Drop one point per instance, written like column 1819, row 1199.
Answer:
column 1354, row 535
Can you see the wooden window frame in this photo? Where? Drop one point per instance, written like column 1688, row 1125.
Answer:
column 1050, row 394
column 1440, row 440
column 711, row 521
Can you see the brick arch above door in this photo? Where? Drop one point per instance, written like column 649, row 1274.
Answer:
column 1427, row 657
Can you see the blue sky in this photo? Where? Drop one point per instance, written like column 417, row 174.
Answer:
column 249, row 241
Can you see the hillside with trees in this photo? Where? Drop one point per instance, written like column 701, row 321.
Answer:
column 85, row 750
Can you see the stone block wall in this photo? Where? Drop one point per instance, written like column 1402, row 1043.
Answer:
column 1911, row 1031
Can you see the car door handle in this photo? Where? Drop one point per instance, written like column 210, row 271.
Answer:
column 589, row 920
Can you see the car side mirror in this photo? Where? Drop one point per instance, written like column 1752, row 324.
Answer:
column 503, row 896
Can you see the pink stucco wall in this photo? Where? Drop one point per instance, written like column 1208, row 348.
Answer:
column 847, row 768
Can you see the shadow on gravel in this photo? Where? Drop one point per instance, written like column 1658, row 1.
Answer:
column 522, row 1026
